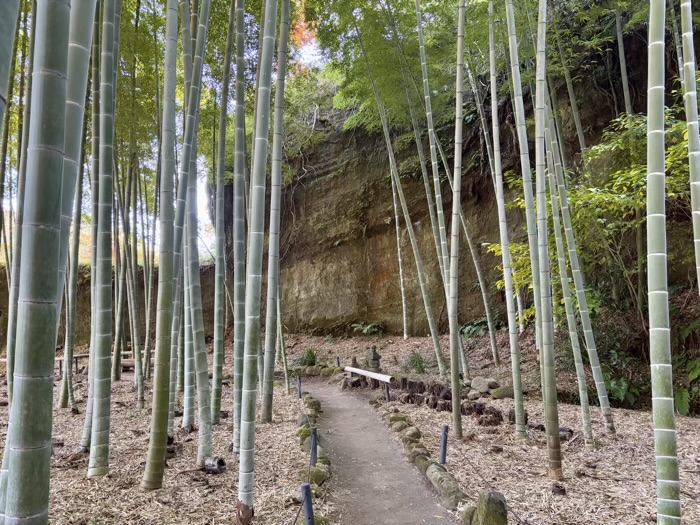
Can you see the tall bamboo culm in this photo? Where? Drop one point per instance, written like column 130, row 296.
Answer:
column 273, row 261
column 505, row 243
column 9, row 13
column 29, row 444
column 691, row 116
column 220, row 282
column 525, row 168
column 668, row 511
column 550, row 384
column 163, row 375
column 239, row 227
column 101, row 411
column 453, row 310
column 256, row 237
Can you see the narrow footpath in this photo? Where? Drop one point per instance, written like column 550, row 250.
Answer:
column 374, row 483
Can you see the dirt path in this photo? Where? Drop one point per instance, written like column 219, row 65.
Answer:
column 375, row 485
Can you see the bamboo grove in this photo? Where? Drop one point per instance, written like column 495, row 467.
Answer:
column 110, row 109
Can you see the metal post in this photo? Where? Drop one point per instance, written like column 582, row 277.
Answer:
column 299, row 385
column 337, row 361
column 386, row 391
column 308, row 504
column 314, row 446
column 443, row 445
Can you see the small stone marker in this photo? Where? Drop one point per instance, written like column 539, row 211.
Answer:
column 373, row 360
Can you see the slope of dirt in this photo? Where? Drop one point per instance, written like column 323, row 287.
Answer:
column 373, row 482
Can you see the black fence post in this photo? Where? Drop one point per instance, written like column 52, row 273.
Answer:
column 443, row 445
column 308, row 504
column 314, row 446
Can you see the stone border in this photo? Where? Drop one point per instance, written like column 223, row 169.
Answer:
column 491, row 507
column 320, row 473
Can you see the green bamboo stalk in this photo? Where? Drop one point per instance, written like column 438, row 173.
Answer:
column 399, row 256
column 572, row 96
column 550, row 385
column 163, row 379
column 566, row 292
column 623, row 61
column 691, row 116
column 668, row 502
column 219, row 299
column 67, row 394
column 94, row 188
column 205, row 445
column 239, row 227
column 244, row 508
column 176, row 357
column 119, row 315
column 482, row 117
column 99, row 441
column 455, row 348
column 5, row 132
column 29, row 439
column 189, row 377
column 273, row 262
column 505, row 243
column 433, row 151
column 281, row 350
column 679, row 45
column 14, row 282
column 136, row 313
column 9, row 14
column 582, row 301
column 525, row 168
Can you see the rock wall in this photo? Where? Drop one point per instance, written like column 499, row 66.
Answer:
column 82, row 333
column 339, row 247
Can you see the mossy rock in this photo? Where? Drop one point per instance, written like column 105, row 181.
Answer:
column 327, row 372
column 306, row 444
column 318, row 475
column 417, row 450
column 422, row 462
column 313, row 404
column 466, row 515
column 337, row 370
column 312, row 370
column 393, row 418
column 324, row 460
column 407, row 440
column 412, row 432
column 322, row 520
column 446, row 486
column 304, row 432
column 503, row 392
column 399, row 426
column 490, row 509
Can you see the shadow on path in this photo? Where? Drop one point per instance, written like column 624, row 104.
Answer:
column 374, row 483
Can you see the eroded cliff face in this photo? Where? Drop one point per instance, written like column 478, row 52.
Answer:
column 339, row 247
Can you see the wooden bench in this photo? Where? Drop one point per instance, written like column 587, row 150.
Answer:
column 76, row 358
column 383, row 378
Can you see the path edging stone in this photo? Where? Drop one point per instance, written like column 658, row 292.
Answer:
column 490, row 509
